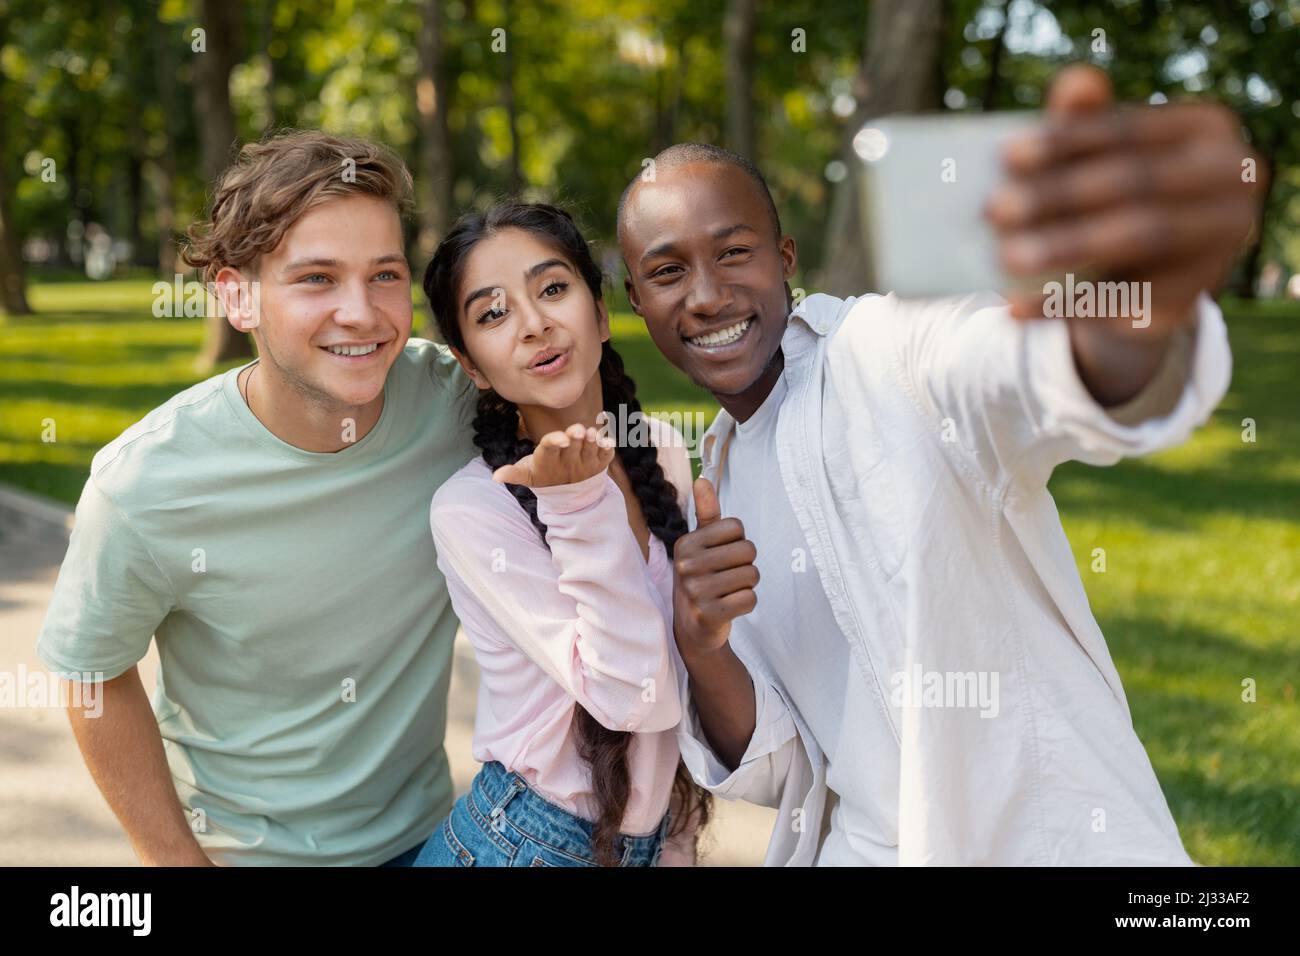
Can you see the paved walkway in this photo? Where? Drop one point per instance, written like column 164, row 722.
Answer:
column 51, row 814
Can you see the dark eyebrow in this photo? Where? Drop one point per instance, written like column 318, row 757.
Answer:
column 531, row 273
column 664, row 248
column 487, row 290
column 541, row 267
column 331, row 263
column 726, row 231
column 303, row 263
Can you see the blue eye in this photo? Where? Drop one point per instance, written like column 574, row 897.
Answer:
column 314, row 275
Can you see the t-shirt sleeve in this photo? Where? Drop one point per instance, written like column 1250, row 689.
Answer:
column 109, row 598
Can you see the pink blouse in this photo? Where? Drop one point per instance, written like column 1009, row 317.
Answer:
column 587, row 621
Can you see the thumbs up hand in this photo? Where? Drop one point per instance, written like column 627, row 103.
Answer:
column 714, row 577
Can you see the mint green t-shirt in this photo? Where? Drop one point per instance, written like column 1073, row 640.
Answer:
column 303, row 629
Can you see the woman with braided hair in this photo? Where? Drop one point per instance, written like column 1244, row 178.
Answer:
column 557, row 548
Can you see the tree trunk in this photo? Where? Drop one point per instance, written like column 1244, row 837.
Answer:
column 993, row 81
column 508, row 94
column 1247, row 272
column 268, row 35
column 432, row 101
column 13, row 278
column 898, row 74
column 135, row 192
column 738, row 37
column 164, row 166
column 82, row 205
column 1248, row 268
column 216, row 122
column 675, row 68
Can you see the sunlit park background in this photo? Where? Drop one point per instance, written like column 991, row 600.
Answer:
column 114, row 117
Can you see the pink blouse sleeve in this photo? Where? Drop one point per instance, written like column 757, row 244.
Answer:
column 583, row 610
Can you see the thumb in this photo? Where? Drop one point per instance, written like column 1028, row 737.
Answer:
column 707, row 510
column 520, row 473
column 1079, row 88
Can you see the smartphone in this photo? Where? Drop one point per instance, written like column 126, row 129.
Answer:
column 923, row 184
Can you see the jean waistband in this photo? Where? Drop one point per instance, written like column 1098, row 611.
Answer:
column 507, row 803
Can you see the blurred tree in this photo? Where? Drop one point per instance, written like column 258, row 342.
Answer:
column 433, row 100
column 1243, row 53
column 267, row 30
column 738, row 50
column 579, row 96
column 13, row 280
column 505, row 45
column 997, row 48
column 899, row 73
column 213, row 60
column 164, row 159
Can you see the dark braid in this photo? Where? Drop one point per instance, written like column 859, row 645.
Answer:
column 497, row 435
column 654, row 492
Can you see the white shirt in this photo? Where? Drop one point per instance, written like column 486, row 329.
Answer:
column 914, row 445
column 794, row 625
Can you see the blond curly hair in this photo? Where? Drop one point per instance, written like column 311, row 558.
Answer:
column 272, row 183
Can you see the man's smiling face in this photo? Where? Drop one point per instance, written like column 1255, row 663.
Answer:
column 707, row 273
column 335, row 302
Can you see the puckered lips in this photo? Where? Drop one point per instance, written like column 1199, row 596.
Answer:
column 549, row 361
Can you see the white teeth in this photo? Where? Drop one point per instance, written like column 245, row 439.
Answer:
column 724, row 337
column 353, row 349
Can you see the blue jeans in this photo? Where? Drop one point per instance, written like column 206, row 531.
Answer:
column 407, row 858
column 502, row 821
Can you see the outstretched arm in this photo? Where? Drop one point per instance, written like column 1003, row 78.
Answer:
column 1151, row 202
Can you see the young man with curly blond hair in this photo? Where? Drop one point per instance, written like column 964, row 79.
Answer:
column 260, row 525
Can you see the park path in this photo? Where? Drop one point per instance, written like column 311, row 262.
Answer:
column 51, row 814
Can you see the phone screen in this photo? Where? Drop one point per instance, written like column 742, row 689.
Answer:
column 923, row 184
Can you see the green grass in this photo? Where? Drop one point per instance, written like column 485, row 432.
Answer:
column 1201, row 590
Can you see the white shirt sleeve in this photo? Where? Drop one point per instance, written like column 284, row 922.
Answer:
column 773, row 748
column 1007, row 391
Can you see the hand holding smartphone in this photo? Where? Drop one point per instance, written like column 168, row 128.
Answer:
column 923, row 184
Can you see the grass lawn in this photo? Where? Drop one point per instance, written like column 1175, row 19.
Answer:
column 1202, row 583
